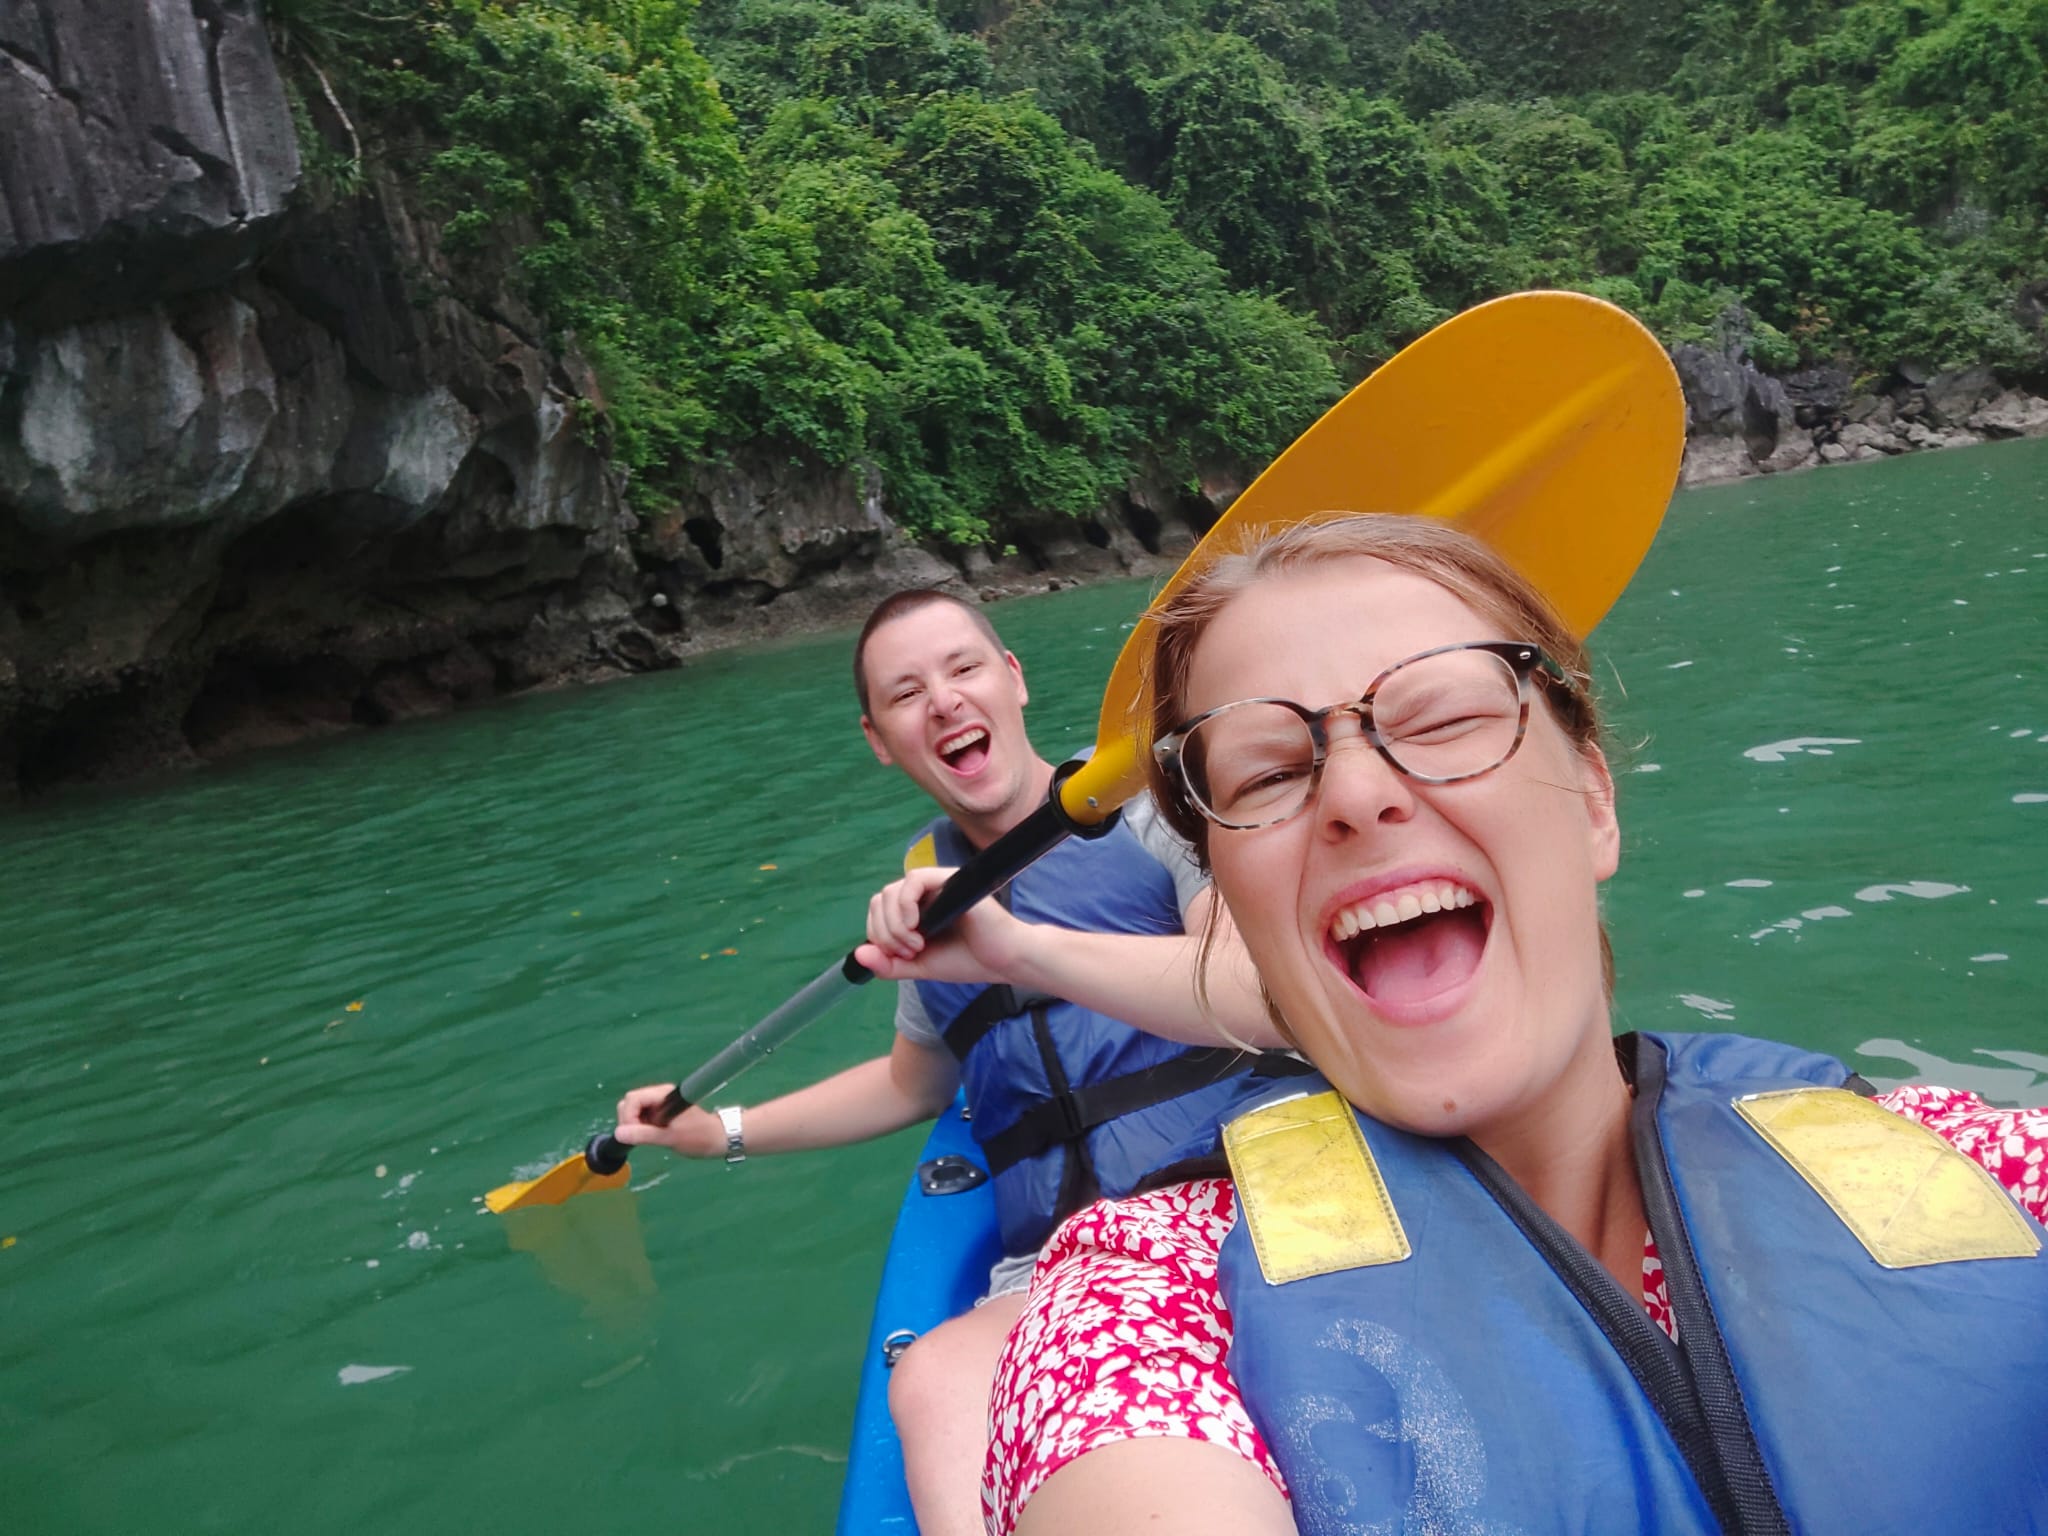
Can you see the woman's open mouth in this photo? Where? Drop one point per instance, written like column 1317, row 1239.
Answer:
column 1410, row 947
column 965, row 752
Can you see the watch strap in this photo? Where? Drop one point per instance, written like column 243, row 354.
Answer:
column 735, row 1138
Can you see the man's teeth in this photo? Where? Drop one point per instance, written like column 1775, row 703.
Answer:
column 963, row 741
column 1392, row 907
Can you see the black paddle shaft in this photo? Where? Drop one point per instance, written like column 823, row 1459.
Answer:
column 979, row 878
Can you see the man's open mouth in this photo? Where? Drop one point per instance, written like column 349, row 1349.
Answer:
column 1405, row 946
column 965, row 752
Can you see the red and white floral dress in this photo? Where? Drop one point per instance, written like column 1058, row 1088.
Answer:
column 1126, row 1334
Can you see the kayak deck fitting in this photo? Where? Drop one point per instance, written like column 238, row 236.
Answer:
column 940, row 1254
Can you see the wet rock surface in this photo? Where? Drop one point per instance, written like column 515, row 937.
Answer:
column 1742, row 421
column 151, row 148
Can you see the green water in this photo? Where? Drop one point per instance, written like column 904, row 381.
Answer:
column 228, row 1188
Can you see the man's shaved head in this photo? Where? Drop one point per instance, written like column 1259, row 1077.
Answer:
column 895, row 606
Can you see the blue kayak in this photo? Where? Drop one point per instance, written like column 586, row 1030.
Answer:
column 944, row 1246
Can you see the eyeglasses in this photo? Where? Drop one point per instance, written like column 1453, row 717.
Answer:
column 1449, row 714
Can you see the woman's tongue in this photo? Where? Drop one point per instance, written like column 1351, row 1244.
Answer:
column 1420, row 958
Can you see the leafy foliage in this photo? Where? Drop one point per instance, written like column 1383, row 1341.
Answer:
column 1868, row 180
column 1011, row 255
column 872, row 258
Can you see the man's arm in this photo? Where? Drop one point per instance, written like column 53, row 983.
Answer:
column 913, row 1082
column 1146, row 980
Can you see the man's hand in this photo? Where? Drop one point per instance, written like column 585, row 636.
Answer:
column 984, row 944
column 693, row 1133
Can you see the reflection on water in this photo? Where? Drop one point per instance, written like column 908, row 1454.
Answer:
column 1817, row 746
column 2021, row 1081
column 1926, row 890
column 356, row 1375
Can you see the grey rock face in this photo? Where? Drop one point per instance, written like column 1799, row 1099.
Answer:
column 1738, row 421
column 2012, row 414
column 163, row 416
column 1742, row 422
column 148, row 147
column 1818, row 395
column 775, row 516
column 1858, row 435
column 263, row 470
column 1714, row 387
column 1709, row 459
column 1952, row 398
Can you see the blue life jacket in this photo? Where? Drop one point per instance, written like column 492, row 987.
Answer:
column 1066, row 1103
column 1498, row 1379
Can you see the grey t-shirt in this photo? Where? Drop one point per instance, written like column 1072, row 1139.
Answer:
column 1154, row 836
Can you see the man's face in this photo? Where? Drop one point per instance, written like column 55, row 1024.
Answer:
column 947, row 707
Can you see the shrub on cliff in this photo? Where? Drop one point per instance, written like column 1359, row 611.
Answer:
column 876, row 262
column 1869, row 179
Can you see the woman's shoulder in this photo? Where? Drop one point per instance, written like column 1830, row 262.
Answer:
column 1179, row 1228
column 2010, row 1144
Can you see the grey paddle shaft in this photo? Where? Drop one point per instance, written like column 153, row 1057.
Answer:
column 817, row 997
column 607, row 1154
column 981, row 876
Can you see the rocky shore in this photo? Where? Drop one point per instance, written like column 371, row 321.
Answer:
column 273, row 464
column 1741, row 421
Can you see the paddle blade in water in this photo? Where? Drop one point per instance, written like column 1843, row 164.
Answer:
column 1549, row 425
column 566, row 1180
column 592, row 1250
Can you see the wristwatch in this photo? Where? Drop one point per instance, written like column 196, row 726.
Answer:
column 735, row 1140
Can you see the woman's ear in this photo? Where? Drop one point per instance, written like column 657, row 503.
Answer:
column 1602, row 827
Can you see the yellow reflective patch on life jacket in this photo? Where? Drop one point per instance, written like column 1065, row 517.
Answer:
column 1908, row 1196
column 922, row 854
column 1309, row 1191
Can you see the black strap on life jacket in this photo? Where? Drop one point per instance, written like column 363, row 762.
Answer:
column 1079, row 1185
column 1069, row 1117
column 990, row 1008
column 1267, row 1066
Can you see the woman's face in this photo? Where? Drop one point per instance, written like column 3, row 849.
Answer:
column 1443, row 1023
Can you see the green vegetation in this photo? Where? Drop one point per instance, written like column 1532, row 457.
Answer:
column 1012, row 254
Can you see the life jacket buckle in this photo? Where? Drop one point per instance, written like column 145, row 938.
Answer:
column 1071, row 1126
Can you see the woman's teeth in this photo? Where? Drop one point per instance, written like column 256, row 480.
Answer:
column 1391, row 907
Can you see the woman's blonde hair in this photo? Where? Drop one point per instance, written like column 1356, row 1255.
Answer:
column 1455, row 561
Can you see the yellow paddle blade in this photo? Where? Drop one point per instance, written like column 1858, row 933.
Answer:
column 590, row 1249
column 567, row 1179
column 1549, row 425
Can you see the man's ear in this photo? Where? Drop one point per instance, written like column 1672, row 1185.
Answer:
column 1602, row 825
column 1017, row 671
column 867, row 729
